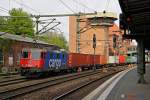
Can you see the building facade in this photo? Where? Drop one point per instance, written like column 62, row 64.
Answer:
column 87, row 28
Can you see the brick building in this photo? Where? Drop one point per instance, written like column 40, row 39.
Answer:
column 87, row 29
column 10, row 55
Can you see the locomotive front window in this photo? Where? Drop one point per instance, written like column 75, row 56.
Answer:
column 25, row 54
column 36, row 55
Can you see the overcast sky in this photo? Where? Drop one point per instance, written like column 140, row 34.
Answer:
column 60, row 7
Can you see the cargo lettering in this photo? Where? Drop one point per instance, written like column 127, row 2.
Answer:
column 54, row 63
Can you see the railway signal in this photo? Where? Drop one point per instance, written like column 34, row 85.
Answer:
column 94, row 46
column 94, row 41
column 114, row 41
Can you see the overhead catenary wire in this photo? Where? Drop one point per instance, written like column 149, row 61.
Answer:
column 83, row 5
column 4, row 10
column 51, row 27
column 26, row 6
column 47, row 25
column 69, row 8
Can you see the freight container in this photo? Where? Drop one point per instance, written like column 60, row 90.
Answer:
column 128, row 59
column 103, row 60
column 113, row 59
column 122, row 59
column 84, row 60
column 96, row 60
column 78, row 60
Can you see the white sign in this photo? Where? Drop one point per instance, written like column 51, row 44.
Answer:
column 54, row 63
column 10, row 61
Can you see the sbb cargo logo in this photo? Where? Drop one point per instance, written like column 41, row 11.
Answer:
column 54, row 63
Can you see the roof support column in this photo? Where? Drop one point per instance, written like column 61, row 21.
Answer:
column 141, row 61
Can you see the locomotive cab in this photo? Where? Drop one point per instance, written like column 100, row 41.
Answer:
column 32, row 60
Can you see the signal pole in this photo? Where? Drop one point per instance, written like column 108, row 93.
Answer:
column 94, row 46
column 114, row 46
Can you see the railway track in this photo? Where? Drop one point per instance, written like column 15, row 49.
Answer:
column 67, row 95
column 17, row 91
column 11, row 79
column 15, row 81
column 8, row 92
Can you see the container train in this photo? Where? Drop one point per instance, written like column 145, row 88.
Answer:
column 35, row 61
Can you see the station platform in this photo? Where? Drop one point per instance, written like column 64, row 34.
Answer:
column 123, row 86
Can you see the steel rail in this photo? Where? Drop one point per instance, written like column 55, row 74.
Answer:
column 8, row 94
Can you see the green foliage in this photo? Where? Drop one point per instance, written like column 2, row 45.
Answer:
column 3, row 24
column 18, row 26
column 5, row 44
column 54, row 38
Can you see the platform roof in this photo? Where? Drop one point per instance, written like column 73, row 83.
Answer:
column 139, row 12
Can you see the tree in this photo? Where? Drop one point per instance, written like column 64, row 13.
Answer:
column 3, row 24
column 18, row 26
column 56, row 39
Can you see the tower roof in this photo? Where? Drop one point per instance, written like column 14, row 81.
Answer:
column 102, row 14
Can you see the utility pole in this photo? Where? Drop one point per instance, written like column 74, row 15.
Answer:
column 37, row 26
column 78, row 35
